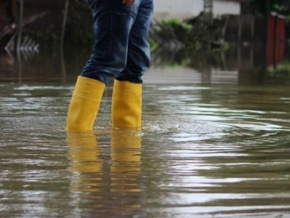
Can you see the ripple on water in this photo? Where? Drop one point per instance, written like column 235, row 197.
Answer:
column 202, row 152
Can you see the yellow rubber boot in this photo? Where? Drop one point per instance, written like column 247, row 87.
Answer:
column 126, row 104
column 84, row 105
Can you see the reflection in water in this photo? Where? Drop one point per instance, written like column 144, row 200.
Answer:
column 242, row 65
column 107, row 187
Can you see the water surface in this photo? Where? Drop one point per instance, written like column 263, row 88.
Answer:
column 204, row 150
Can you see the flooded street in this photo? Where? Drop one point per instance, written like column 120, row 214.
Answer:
column 209, row 147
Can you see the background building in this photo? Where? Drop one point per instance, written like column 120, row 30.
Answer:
column 190, row 8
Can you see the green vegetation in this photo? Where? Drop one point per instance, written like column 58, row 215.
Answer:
column 279, row 6
column 280, row 74
column 194, row 34
column 178, row 25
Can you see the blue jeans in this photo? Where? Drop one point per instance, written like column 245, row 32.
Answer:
column 121, row 48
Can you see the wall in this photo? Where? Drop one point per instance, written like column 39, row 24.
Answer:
column 221, row 7
column 177, row 8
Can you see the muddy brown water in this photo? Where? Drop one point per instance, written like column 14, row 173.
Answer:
column 205, row 150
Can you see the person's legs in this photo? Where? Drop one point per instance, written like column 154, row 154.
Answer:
column 112, row 24
column 127, row 90
column 138, row 58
